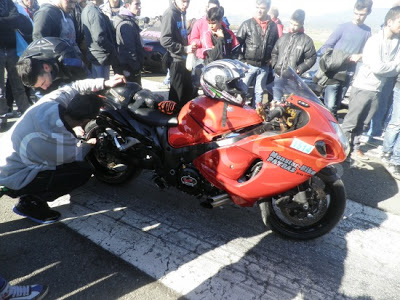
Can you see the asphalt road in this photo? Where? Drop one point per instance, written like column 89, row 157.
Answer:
column 137, row 242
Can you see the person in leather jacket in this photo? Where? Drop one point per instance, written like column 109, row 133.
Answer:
column 295, row 49
column 258, row 36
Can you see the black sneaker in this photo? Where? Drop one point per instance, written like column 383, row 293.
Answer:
column 37, row 211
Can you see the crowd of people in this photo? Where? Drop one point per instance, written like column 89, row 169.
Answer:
column 77, row 39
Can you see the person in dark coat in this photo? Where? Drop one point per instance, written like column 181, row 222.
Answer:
column 129, row 43
column 54, row 20
column 258, row 36
column 174, row 38
column 100, row 40
column 10, row 21
column 294, row 49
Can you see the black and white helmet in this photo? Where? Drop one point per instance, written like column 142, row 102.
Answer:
column 222, row 79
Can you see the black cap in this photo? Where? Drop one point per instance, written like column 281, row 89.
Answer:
column 299, row 16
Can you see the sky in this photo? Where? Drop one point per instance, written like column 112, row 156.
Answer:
column 151, row 8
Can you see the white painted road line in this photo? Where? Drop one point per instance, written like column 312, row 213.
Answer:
column 226, row 254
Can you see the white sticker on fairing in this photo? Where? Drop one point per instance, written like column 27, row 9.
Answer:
column 301, row 146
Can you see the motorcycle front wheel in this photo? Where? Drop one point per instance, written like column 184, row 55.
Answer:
column 306, row 212
column 110, row 165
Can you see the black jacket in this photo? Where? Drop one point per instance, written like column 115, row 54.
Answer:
column 129, row 44
column 99, row 36
column 174, row 33
column 332, row 67
column 47, row 22
column 10, row 20
column 256, row 47
column 294, row 50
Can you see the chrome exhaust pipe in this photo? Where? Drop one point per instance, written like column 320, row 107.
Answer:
column 216, row 201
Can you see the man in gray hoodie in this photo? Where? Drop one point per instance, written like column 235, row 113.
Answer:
column 41, row 156
column 381, row 60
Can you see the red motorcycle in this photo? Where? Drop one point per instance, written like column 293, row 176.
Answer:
column 217, row 147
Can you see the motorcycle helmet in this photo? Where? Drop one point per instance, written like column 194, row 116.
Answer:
column 222, row 79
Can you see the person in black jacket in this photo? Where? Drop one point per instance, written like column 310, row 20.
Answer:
column 294, row 49
column 129, row 44
column 11, row 20
column 100, row 40
column 54, row 20
column 258, row 36
column 174, row 38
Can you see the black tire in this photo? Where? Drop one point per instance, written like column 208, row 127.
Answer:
column 102, row 171
column 326, row 211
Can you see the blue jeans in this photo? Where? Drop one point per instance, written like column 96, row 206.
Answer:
column 100, row 71
column 385, row 101
column 391, row 142
column 8, row 60
column 334, row 94
column 258, row 76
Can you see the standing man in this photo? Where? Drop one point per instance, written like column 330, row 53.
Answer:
column 174, row 38
column 258, row 36
column 129, row 42
column 294, row 49
column 10, row 21
column 349, row 38
column 381, row 60
column 54, row 20
column 100, row 40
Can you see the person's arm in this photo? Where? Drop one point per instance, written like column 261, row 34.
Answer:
column 99, row 34
column 44, row 25
column 11, row 21
column 216, row 49
column 241, row 37
column 332, row 40
column 127, row 34
column 310, row 57
column 167, row 39
column 195, row 35
column 66, row 93
column 372, row 58
column 275, row 52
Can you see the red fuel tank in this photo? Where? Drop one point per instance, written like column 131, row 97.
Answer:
column 201, row 119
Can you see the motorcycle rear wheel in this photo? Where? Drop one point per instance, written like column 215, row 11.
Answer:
column 102, row 170
column 326, row 203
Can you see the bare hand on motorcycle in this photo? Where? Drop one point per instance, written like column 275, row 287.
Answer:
column 91, row 141
column 79, row 132
column 115, row 80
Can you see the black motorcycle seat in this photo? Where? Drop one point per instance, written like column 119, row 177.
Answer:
column 154, row 117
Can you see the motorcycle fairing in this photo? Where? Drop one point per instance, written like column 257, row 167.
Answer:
column 200, row 121
column 225, row 167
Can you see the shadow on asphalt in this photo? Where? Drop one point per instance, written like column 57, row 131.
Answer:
column 72, row 266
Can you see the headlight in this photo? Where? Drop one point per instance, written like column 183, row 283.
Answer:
column 343, row 140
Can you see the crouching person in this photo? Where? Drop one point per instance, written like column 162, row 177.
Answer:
column 42, row 157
